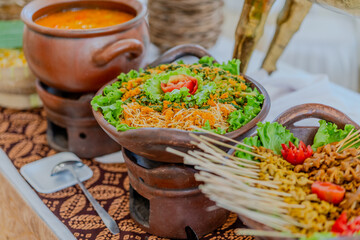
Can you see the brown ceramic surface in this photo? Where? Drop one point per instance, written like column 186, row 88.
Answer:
column 174, row 200
column 81, row 134
column 152, row 142
column 83, row 60
column 164, row 176
column 289, row 118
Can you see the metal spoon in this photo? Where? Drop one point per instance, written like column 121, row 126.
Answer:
column 69, row 166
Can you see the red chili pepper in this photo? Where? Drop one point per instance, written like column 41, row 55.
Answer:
column 340, row 225
column 354, row 226
column 328, row 191
column 180, row 81
column 343, row 227
column 296, row 155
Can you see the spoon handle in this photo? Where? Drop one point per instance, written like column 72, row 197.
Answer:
column 107, row 219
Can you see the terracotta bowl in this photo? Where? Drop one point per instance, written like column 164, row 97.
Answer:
column 289, row 118
column 83, row 60
column 152, row 142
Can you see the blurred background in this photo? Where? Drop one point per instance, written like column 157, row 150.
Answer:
column 327, row 43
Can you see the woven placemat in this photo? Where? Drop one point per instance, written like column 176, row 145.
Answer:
column 23, row 138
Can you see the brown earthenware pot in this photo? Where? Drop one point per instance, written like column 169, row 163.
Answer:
column 289, row 118
column 152, row 142
column 83, row 60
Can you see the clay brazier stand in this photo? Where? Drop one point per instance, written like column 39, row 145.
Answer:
column 165, row 199
column 71, row 124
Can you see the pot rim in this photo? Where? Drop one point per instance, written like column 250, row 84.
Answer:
column 35, row 6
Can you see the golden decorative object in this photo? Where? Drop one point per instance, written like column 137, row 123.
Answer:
column 288, row 23
column 250, row 29
column 254, row 14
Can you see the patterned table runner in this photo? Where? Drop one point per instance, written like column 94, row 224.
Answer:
column 23, row 138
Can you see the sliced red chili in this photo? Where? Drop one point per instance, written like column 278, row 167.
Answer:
column 343, row 227
column 340, row 225
column 180, row 81
column 296, row 155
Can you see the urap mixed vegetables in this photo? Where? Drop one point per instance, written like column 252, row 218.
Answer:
column 208, row 95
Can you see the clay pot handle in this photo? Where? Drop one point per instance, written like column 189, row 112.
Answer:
column 180, row 51
column 314, row 110
column 131, row 46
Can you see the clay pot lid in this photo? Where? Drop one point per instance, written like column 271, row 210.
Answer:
column 152, row 142
column 38, row 8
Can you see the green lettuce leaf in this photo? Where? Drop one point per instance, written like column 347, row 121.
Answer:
column 244, row 115
column 123, row 127
column 202, row 96
column 269, row 135
column 152, row 88
column 320, row 236
column 177, row 95
column 208, row 127
column 251, row 141
column 328, row 133
column 233, row 66
column 209, row 61
column 272, row 135
column 108, row 98
column 110, row 102
column 125, row 77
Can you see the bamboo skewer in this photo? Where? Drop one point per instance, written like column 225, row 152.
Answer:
column 224, row 159
column 274, row 221
column 230, row 146
column 348, row 139
column 218, row 150
column 273, row 194
column 345, row 139
column 218, row 170
column 349, row 146
column 196, row 157
column 249, row 204
column 233, row 183
column 230, row 168
column 250, row 181
column 246, row 162
column 229, row 162
column 247, row 199
column 225, row 145
column 223, row 137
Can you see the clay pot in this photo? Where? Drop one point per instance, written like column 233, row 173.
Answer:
column 83, row 60
column 151, row 143
column 289, row 118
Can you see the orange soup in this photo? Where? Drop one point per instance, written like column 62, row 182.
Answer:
column 84, row 19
